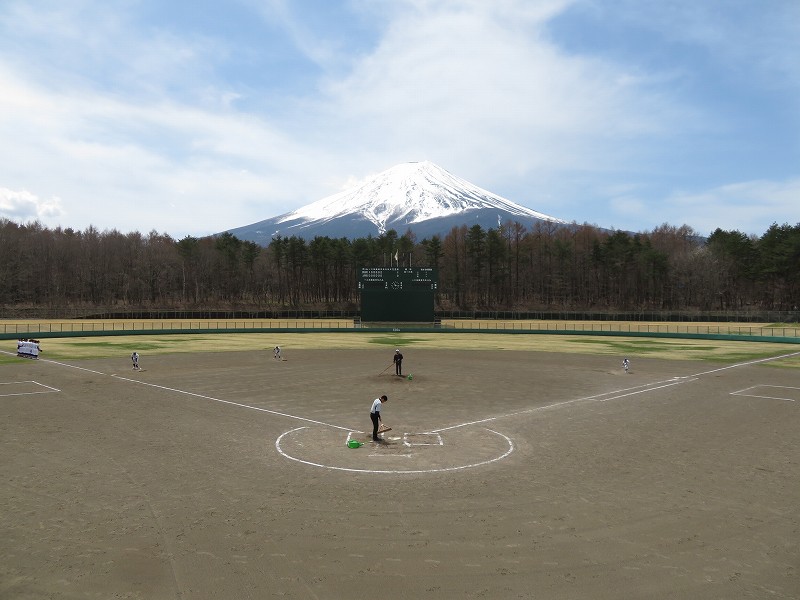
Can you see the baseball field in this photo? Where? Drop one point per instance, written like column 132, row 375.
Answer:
column 518, row 466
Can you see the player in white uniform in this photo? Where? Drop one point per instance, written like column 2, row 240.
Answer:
column 135, row 361
column 626, row 364
column 375, row 415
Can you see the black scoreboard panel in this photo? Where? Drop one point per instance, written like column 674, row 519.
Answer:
column 397, row 293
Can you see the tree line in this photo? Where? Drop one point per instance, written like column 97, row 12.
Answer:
column 511, row 267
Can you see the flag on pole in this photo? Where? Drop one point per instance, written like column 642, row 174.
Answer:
column 395, row 258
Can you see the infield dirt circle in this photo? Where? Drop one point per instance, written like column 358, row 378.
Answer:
column 507, row 474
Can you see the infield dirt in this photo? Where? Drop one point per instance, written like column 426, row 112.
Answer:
column 508, row 474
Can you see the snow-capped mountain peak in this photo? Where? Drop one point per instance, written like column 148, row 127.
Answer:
column 409, row 193
column 419, row 196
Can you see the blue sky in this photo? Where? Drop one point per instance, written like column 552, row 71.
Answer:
column 190, row 117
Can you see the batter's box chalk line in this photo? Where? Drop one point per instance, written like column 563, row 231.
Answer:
column 25, row 388
column 409, row 439
column 422, row 439
column 770, row 392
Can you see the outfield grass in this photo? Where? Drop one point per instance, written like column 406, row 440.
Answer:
column 671, row 349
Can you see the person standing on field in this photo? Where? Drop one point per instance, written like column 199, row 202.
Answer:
column 626, row 364
column 398, row 363
column 135, row 361
column 375, row 415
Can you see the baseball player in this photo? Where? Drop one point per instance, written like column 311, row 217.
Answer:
column 398, row 363
column 375, row 415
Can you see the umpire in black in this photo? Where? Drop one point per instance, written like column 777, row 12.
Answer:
column 398, row 363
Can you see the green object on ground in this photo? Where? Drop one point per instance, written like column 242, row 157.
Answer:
column 354, row 444
column 410, row 377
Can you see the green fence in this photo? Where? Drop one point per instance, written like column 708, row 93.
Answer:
column 79, row 328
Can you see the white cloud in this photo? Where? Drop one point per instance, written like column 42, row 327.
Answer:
column 22, row 206
column 118, row 164
column 749, row 206
column 464, row 87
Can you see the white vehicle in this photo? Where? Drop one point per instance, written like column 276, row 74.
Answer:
column 28, row 348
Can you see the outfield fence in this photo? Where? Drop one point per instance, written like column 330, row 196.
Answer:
column 75, row 328
column 134, row 326
column 628, row 327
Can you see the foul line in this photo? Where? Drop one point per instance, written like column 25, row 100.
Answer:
column 258, row 408
column 231, row 403
column 55, row 362
column 640, row 389
column 744, row 364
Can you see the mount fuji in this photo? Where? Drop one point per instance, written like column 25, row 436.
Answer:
column 419, row 196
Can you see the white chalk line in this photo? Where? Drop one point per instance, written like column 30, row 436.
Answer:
column 604, row 397
column 177, row 391
column 439, row 440
column 617, row 394
column 384, row 455
column 55, row 362
column 231, row 403
column 762, row 385
column 765, row 397
column 750, row 362
column 48, row 390
column 765, row 385
column 29, row 381
column 394, row 471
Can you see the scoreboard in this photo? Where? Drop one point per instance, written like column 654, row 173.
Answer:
column 397, row 293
